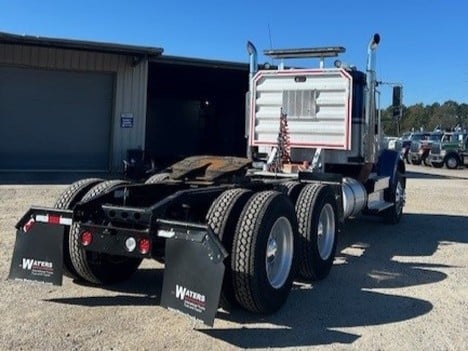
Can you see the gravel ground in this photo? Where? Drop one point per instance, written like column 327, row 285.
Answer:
column 401, row 287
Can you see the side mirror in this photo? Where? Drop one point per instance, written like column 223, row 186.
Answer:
column 397, row 101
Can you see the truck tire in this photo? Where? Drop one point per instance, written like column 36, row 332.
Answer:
column 316, row 210
column 157, row 178
column 67, row 201
column 437, row 164
column 99, row 268
column 416, row 162
column 406, row 156
column 263, row 252
column 222, row 218
column 396, row 195
column 452, row 161
column 292, row 189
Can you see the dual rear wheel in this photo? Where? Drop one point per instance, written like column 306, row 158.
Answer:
column 95, row 268
column 273, row 238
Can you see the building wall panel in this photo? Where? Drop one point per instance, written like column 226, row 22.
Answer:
column 129, row 94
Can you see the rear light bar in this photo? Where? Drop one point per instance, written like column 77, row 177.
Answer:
column 53, row 219
column 48, row 218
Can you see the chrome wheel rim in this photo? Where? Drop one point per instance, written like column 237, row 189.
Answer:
column 399, row 197
column 279, row 252
column 326, row 232
column 451, row 162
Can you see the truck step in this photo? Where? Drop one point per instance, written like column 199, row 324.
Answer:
column 376, row 183
column 380, row 206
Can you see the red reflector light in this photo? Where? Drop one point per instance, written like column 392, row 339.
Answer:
column 54, row 219
column 86, row 238
column 144, row 246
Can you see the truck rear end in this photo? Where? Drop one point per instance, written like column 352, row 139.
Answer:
column 234, row 231
column 100, row 231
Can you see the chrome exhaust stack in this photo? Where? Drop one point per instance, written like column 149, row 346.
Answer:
column 253, row 62
column 253, row 67
column 370, row 147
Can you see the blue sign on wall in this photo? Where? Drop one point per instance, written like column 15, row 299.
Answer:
column 126, row 120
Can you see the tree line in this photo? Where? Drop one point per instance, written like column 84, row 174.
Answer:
column 426, row 117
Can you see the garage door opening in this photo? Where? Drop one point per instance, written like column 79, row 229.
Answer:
column 195, row 110
column 55, row 120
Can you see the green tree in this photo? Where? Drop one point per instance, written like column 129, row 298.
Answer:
column 427, row 117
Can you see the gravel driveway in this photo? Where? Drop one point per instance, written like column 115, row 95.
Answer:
column 402, row 287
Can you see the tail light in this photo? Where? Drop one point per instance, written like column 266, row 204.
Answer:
column 144, row 246
column 86, row 238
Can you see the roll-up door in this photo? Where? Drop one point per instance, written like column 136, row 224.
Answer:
column 55, row 120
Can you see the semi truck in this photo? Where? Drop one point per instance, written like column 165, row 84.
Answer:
column 451, row 151
column 235, row 232
column 419, row 149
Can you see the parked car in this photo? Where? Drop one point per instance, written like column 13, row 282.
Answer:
column 452, row 151
column 419, row 150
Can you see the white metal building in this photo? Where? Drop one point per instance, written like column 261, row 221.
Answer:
column 68, row 105
column 78, row 106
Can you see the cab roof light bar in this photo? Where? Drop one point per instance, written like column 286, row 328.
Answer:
column 332, row 51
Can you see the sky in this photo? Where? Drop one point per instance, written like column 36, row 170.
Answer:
column 424, row 43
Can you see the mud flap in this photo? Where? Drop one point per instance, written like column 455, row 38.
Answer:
column 38, row 254
column 194, row 273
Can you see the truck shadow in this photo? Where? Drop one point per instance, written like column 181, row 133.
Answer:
column 423, row 174
column 55, row 178
column 143, row 289
column 370, row 257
